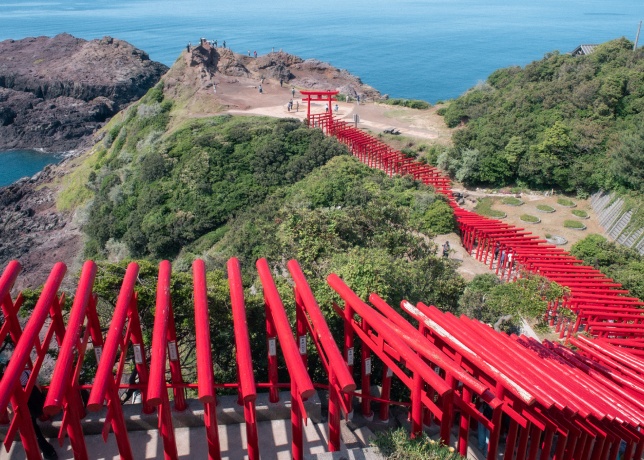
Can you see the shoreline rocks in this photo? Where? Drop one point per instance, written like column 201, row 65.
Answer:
column 56, row 92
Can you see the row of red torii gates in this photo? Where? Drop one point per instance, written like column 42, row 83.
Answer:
column 546, row 400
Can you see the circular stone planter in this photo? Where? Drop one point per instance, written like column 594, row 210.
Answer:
column 558, row 240
column 538, row 221
column 581, row 217
column 575, row 227
column 512, row 201
column 549, row 210
column 565, row 205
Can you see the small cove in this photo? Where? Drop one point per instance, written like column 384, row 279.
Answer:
column 15, row 164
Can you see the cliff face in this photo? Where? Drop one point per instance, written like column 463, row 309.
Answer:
column 55, row 92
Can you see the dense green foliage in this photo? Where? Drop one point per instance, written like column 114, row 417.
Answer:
column 157, row 193
column 489, row 300
column 397, row 445
column 575, row 123
column 624, row 265
column 349, row 219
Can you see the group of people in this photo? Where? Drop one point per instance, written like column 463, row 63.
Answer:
column 289, row 106
column 503, row 253
column 213, row 43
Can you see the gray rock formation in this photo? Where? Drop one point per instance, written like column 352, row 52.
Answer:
column 56, row 92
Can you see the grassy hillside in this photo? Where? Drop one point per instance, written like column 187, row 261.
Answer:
column 154, row 191
column 571, row 123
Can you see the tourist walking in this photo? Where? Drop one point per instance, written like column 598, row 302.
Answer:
column 446, row 249
column 255, row 54
column 188, row 47
column 260, row 89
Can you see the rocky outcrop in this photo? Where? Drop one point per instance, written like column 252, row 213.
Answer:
column 309, row 74
column 33, row 231
column 56, row 92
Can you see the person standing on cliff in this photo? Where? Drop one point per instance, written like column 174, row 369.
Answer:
column 293, row 91
column 255, row 54
column 224, row 44
column 281, row 82
column 188, row 47
column 260, row 89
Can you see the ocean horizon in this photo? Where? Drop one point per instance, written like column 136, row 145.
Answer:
column 432, row 50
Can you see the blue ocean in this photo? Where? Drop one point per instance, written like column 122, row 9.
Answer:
column 421, row 49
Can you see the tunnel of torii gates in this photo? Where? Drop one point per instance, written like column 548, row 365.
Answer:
column 547, row 400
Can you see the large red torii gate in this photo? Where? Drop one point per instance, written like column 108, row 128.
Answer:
column 319, row 96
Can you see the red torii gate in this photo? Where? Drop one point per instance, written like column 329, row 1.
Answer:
column 319, row 96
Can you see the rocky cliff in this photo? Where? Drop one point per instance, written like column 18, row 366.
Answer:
column 56, row 92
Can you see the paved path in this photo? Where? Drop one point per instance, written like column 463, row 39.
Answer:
column 274, row 443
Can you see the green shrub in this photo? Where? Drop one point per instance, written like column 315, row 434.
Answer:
column 624, row 265
column 575, row 224
column 579, row 213
column 154, row 94
column 397, row 445
column 411, row 103
column 545, row 208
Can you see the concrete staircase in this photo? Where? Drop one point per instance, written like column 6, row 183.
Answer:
column 615, row 221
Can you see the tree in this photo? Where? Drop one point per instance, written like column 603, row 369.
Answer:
column 489, row 300
column 627, row 160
